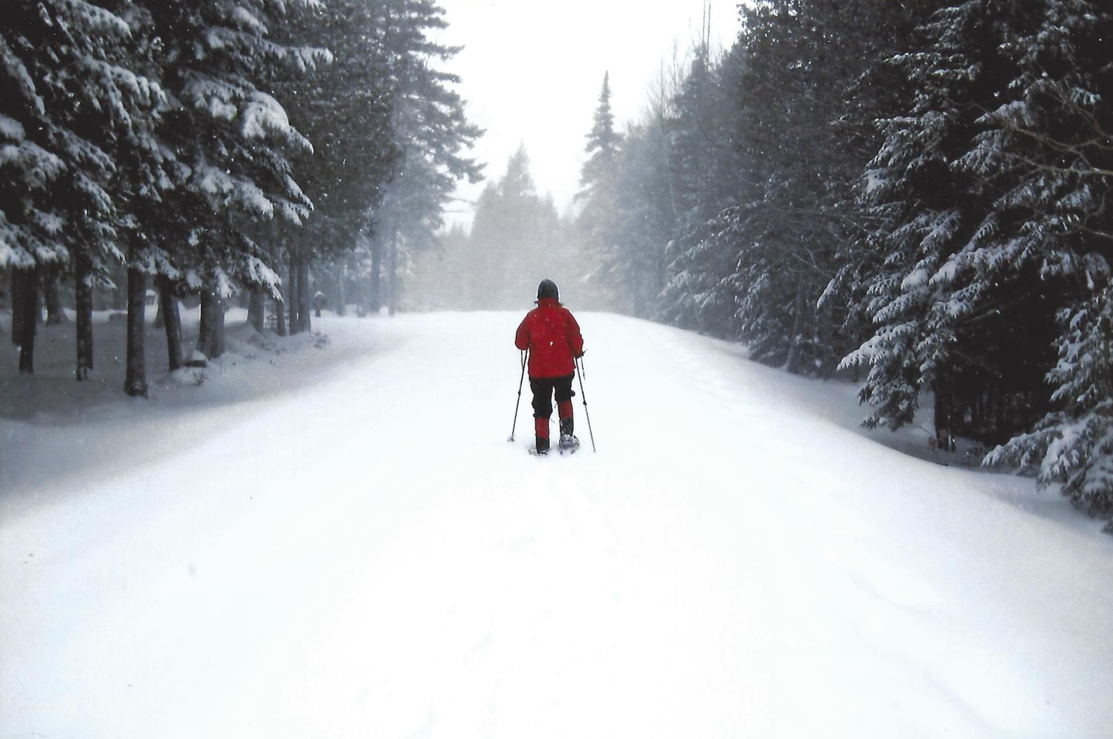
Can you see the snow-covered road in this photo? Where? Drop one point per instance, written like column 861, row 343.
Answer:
column 369, row 557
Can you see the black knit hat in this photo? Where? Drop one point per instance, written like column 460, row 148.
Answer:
column 548, row 289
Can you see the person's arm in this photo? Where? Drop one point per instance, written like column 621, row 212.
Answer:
column 521, row 336
column 575, row 339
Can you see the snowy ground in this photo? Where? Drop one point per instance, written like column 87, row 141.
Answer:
column 338, row 541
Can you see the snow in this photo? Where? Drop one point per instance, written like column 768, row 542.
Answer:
column 263, row 116
column 918, row 278
column 243, row 18
column 11, row 128
column 217, row 182
column 335, row 539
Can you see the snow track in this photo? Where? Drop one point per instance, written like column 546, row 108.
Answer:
column 369, row 557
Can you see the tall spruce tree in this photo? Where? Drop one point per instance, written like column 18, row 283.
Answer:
column 599, row 221
column 515, row 240
column 975, row 329
column 881, row 92
column 603, row 141
column 795, row 64
column 232, row 143
column 703, row 179
column 75, row 125
column 345, row 109
column 644, row 214
column 432, row 133
column 1052, row 131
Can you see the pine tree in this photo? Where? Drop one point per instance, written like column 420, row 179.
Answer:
column 431, row 132
column 345, row 109
column 232, row 143
column 953, row 316
column 626, row 217
column 881, row 92
column 1051, row 134
column 646, row 219
column 73, row 109
column 703, row 182
column 799, row 60
column 603, row 142
column 515, row 241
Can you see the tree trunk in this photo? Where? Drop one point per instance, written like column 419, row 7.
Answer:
column 29, row 307
column 341, row 299
column 792, row 364
column 218, row 327
column 205, row 327
column 304, row 321
column 292, row 295
column 19, row 308
column 279, row 318
column 55, row 315
column 392, row 266
column 374, row 298
column 135, row 379
column 172, row 322
column 361, row 303
column 83, row 292
column 257, row 310
column 210, row 339
column 944, row 429
column 119, row 297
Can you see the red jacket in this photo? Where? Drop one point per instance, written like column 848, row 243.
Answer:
column 553, row 338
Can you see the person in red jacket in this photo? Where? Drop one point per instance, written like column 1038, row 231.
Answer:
column 551, row 335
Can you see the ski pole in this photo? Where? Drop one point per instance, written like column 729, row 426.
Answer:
column 519, row 402
column 580, row 374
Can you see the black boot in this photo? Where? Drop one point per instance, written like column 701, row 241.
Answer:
column 566, row 426
column 542, row 445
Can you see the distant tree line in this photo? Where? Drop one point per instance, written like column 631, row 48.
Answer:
column 212, row 148
column 920, row 191
column 517, row 239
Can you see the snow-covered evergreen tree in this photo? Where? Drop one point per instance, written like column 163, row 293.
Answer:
column 645, row 216
column 345, row 109
column 603, row 141
column 768, row 214
column 514, row 244
column 1052, row 133
column 232, row 143
column 702, row 166
column 881, row 92
column 432, row 134
column 951, row 318
column 600, row 222
column 75, row 127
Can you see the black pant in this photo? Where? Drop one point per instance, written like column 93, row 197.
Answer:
column 543, row 390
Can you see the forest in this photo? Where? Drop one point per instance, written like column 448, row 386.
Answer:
column 911, row 195
column 209, row 151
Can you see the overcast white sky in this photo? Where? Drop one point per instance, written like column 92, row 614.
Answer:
column 532, row 72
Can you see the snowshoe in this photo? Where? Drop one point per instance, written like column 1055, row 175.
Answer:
column 541, row 447
column 568, row 444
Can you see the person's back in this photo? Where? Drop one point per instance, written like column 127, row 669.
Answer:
column 552, row 337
